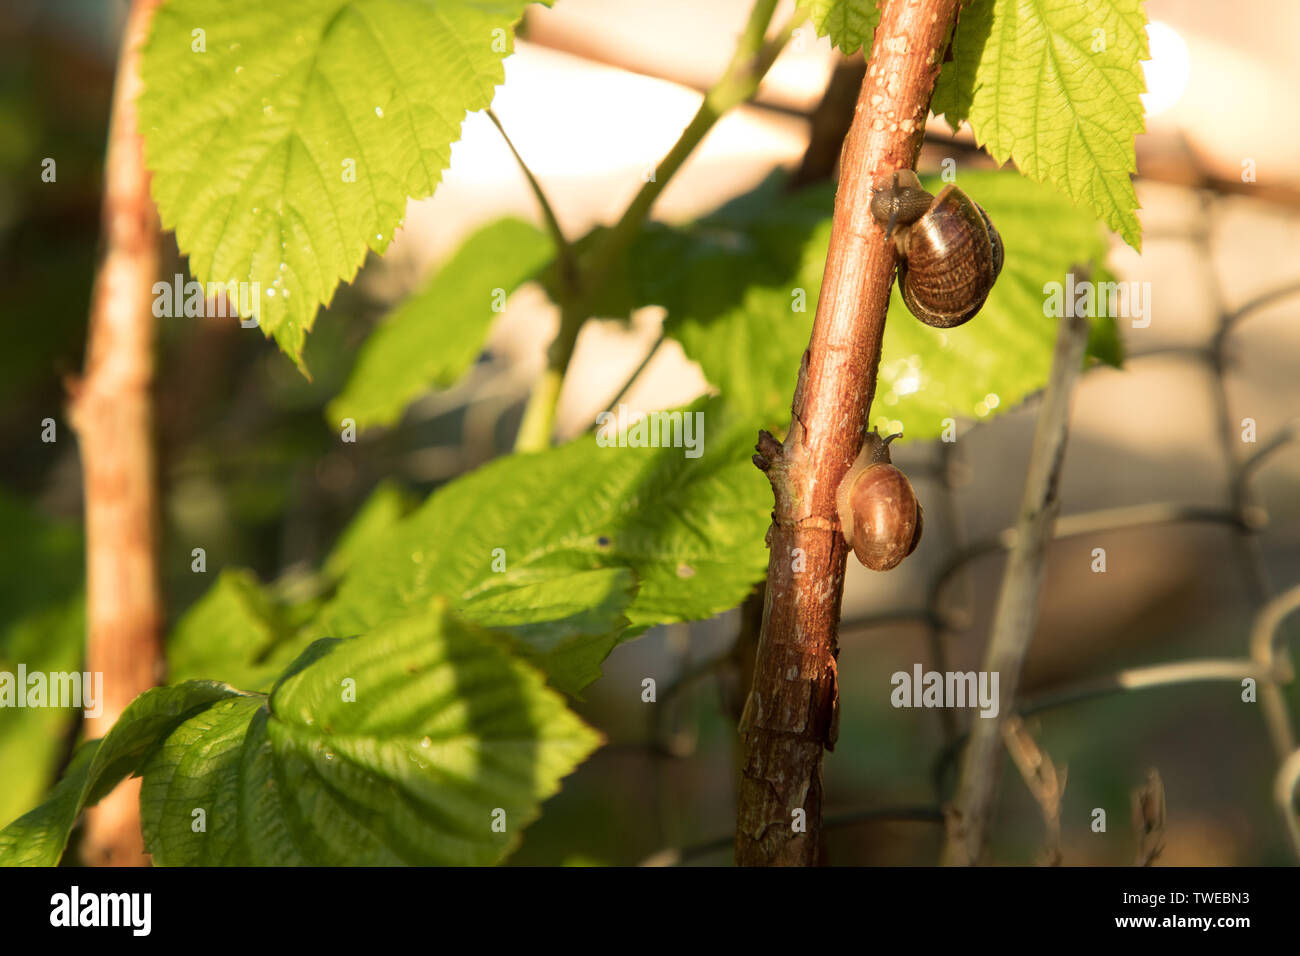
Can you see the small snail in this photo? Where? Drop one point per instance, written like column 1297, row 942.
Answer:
column 951, row 254
column 879, row 514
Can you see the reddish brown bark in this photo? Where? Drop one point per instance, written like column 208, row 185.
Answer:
column 112, row 414
column 793, row 708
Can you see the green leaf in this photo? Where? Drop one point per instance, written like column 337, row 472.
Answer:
column 285, row 138
column 246, row 634
column 565, row 624
column 747, row 292
column 740, row 275
column 690, row 530
column 235, row 633
column 38, row 838
column 387, row 505
column 446, row 729
column 42, row 628
column 1054, row 86
column 849, row 23
column 435, row 335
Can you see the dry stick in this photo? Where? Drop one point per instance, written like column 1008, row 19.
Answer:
column 1017, row 609
column 791, row 713
column 1045, row 783
column 110, row 408
column 1149, row 818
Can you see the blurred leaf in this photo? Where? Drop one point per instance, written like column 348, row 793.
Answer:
column 43, row 629
column 252, row 140
column 235, row 633
column 387, row 505
column 434, row 336
column 38, row 837
column 239, row 632
column 447, row 731
column 1055, row 88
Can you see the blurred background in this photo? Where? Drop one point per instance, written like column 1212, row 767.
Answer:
column 595, row 93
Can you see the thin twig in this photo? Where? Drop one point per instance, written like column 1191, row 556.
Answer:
column 1017, row 609
column 1045, row 784
column 1149, row 818
column 749, row 64
column 1284, row 436
column 563, row 250
column 1253, row 305
column 612, row 405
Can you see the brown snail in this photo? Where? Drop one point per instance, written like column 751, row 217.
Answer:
column 950, row 253
column 879, row 514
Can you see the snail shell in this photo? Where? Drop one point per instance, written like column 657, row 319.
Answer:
column 879, row 514
column 951, row 253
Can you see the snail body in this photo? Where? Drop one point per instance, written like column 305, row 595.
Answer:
column 879, row 514
column 950, row 252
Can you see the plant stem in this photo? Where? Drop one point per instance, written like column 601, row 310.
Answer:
column 612, row 404
column 111, row 410
column 750, row 63
column 539, row 414
column 791, row 715
column 563, row 250
column 1017, row 608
